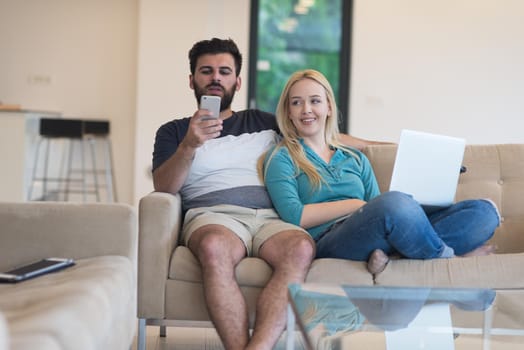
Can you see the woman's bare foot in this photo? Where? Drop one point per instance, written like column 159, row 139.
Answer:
column 377, row 261
column 486, row 249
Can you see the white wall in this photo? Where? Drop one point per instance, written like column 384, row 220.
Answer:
column 77, row 57
column 447, row 66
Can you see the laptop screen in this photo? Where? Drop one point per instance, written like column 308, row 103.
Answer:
column 427, row 166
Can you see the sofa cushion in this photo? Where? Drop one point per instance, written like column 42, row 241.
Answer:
column 497, row 172
column 184, row 266
column 87, row 306
column 253, row 272
column 45, row 341
column 36, row 230
column 4, row 334
column 492, row 271
column 339, row 271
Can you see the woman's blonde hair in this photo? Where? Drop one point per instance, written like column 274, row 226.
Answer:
column 290, row 135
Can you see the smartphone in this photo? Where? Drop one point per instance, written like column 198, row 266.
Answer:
column 212, row 104
column 36, row 269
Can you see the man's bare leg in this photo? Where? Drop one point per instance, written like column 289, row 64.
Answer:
column 219, row 251
column 289, row 253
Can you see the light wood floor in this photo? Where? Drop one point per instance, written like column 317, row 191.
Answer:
column 182, row 338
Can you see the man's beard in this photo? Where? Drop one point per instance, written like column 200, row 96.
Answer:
column 225, row 101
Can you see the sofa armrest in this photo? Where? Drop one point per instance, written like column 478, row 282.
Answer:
column 34, row 230
column 160, row 220
column 4, row 334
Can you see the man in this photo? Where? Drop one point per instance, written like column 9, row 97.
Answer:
column 212, row 163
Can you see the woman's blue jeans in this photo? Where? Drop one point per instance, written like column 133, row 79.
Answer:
column 397, row 224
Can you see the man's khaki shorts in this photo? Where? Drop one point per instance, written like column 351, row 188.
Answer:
column 252, row 226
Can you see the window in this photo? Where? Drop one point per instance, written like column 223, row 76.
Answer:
column 289, row 35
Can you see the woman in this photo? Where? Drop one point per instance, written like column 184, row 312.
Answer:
column 331, row 191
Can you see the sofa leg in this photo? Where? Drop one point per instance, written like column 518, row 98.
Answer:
column 163, row 331
column 141, row 341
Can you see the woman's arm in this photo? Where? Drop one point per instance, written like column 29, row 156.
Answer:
column 283, row 187
column 319, row 213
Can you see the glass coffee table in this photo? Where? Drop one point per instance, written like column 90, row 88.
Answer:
column 403, row 318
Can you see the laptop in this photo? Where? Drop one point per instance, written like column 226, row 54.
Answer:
column 427, row 166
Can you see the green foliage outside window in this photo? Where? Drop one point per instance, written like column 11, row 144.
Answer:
column 289, row 41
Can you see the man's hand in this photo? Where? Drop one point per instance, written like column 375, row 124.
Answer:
column 201, row 130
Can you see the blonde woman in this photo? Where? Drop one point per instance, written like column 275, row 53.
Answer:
column 330, row 190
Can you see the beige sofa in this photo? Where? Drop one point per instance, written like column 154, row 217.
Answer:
column 91, row 305
column 169, row 277
column 4, row 337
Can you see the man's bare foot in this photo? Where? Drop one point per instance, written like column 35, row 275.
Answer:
column 377, row 261
column 486, row 249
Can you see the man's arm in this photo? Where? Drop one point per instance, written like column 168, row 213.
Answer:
column 171, row 175
column 358, row 143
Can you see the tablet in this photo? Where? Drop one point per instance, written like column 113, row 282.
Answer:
column 36, row 269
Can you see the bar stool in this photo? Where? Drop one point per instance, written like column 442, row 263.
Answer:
column 79, row 132
column 98, row 130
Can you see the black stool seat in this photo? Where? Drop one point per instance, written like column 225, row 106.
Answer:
column 96, row 127
column 56, row 127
